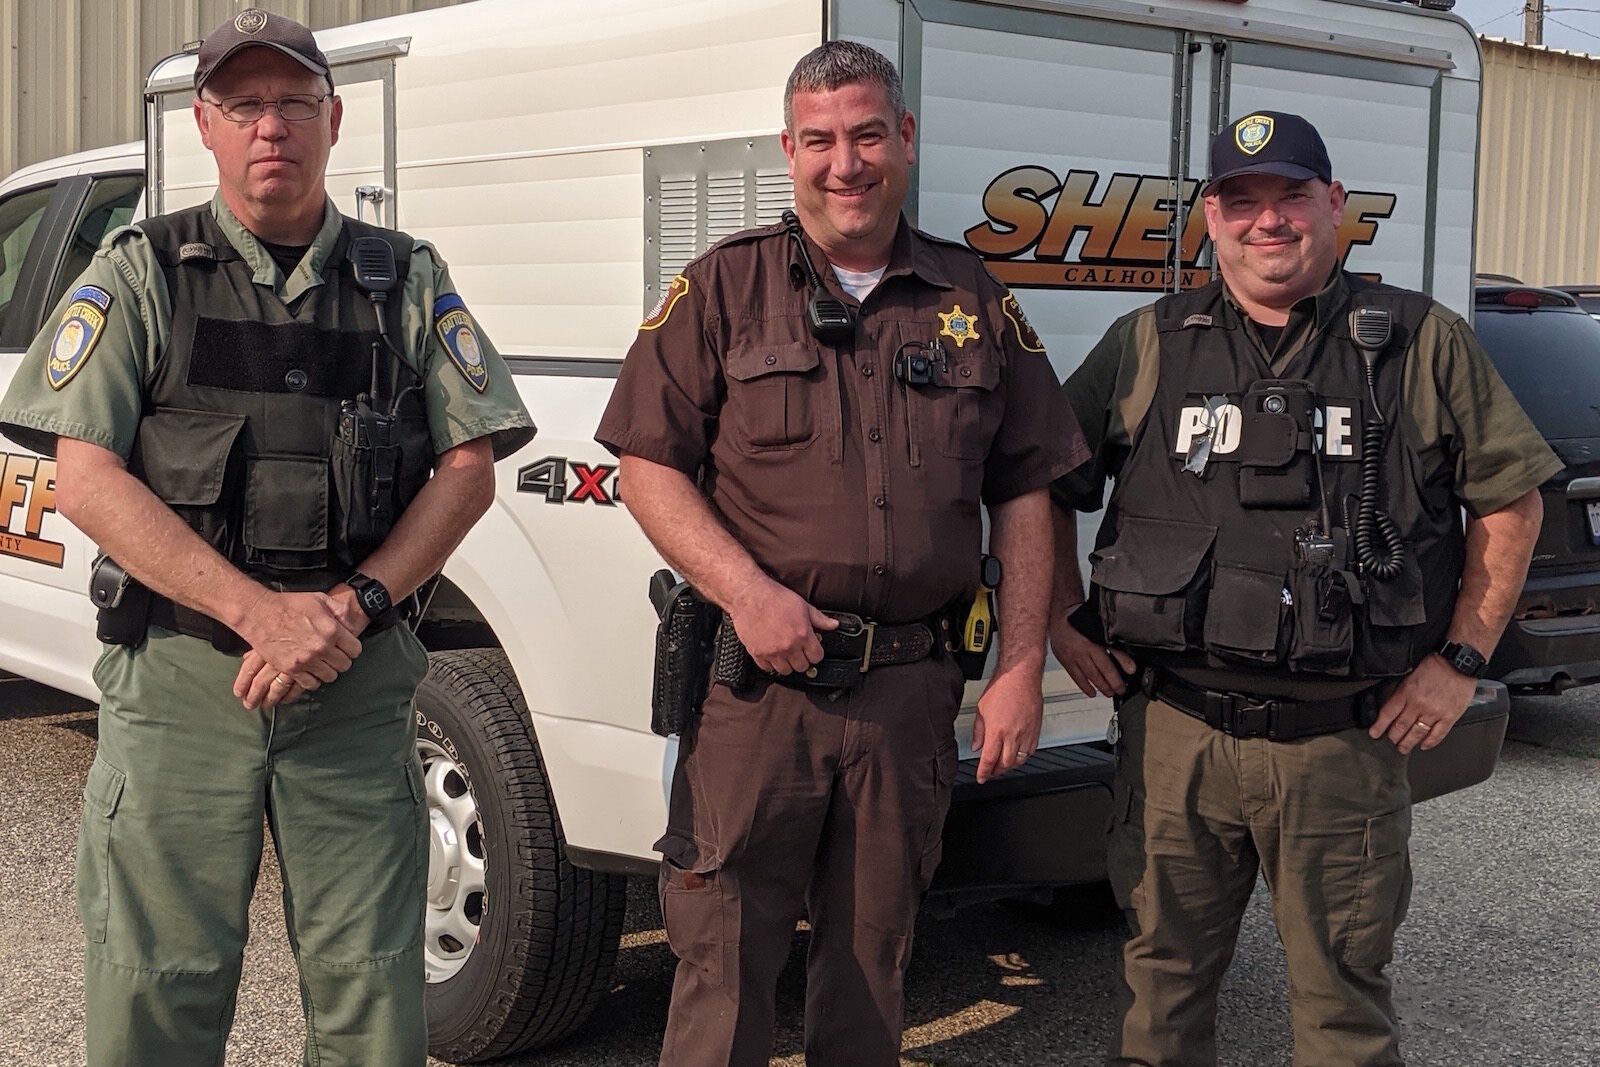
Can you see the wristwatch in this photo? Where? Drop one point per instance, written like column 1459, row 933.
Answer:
column 1464, row 658
column 373, row 598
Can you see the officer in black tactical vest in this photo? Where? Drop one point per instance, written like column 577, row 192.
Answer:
column 276, row 422
column 1284, row 601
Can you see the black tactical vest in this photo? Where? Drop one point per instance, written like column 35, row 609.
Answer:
column 1197, row 562
column 241, row 413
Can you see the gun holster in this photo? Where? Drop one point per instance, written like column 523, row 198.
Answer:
column 682, row 663
column 123, row 603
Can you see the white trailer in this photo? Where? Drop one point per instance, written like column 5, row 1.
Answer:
column 569, row 158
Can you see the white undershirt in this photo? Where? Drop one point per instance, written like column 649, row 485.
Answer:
column 858, row 283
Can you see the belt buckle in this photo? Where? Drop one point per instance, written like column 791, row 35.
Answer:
column 1255, row 718
column 866, row 653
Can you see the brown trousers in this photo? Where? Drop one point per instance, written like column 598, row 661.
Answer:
column 1197, row 815
column 786, row 802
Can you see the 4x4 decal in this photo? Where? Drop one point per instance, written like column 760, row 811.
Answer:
column 597, row 483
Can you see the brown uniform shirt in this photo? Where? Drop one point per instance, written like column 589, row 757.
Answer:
column 855, row 489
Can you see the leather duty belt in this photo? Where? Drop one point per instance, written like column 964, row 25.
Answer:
column 1275, row 718
column 848, row 653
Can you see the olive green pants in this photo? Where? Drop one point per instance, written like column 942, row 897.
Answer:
column 1197, row 815
column 171, row 843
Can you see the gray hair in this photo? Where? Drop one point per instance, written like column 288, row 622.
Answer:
column 838, row 63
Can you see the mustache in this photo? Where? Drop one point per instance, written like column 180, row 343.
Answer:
column 1287, row 233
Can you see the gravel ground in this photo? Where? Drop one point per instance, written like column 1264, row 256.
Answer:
column 1497, row 964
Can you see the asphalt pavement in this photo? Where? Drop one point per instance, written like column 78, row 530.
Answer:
column 1499, row 962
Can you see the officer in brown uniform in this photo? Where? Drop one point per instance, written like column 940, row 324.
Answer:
column 1290, row 602
column 788, row 458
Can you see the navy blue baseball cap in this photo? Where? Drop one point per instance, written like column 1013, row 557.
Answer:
column 1268, row 142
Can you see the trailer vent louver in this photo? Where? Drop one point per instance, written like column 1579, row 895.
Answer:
column 697, row 194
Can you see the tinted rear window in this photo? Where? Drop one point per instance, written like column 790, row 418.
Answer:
column 1551, row 361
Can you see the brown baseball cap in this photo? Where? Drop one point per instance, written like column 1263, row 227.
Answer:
column 253, row 27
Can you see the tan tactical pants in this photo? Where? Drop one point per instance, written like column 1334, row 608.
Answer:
column 172, row 838
column 1197, row 814
column 787, row 802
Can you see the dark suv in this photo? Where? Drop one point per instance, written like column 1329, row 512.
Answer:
column 1547, row 348
column 1588, row 296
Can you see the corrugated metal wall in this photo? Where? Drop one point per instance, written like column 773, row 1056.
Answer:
column 71, row 71
column 1539, row 171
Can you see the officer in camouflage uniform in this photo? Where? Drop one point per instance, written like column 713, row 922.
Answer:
column 1289, row 600
column 203, row 393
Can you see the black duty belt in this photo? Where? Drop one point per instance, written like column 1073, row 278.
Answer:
column 1275, row 718
column 170, row 615
column 848, row 652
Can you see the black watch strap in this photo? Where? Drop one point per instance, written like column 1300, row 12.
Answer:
column 373, row 598
column 1464, row 658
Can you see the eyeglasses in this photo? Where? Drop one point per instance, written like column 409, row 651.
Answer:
column 243, row 110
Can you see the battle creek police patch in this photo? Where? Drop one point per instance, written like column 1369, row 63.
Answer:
column 1252, row 133
column 958, row 325
column 460, row 336
column 81, row 326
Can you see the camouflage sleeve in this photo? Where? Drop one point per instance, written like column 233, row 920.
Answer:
column 84, row 375
column 1110, row 393
column 1466, row 416
column 470, row 390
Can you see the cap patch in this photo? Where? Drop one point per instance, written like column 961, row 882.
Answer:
column 669, row 300
column 958, row 325
column 81, row 326
column 251, row 20
column 1252, row 133
column 459, row 333
column 1026, row 337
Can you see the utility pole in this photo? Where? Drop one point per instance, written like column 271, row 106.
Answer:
column 1533, row 22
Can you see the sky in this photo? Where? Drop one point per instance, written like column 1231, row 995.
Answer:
column 1570, row 24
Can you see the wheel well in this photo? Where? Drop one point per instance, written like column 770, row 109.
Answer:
column 454, row 621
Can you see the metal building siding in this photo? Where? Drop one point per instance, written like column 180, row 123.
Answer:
column 72, row 71
column 1539, row 172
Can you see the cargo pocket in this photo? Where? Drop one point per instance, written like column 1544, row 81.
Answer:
column 1395, row 636
column 419, row 809
column 1384, row 891
column 692, row 905
column 101, row 795
column 1323, row 620
column 286, row 512
column 1152, row 582
column 1125, row 858
column 1246, row 615
column 772, row 396
column 184, row 456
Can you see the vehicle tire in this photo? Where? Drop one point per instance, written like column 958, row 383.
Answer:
column 520, row 944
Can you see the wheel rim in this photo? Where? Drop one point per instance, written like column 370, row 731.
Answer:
column 456, row 886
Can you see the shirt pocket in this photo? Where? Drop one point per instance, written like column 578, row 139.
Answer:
column 951, row 399
column 773, row 396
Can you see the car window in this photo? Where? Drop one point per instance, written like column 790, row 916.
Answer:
column 19, row 217
column 1551, row 361
column 111, row 203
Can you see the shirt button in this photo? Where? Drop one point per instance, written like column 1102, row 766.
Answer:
column 874, row 435
column 867, row 370
column 879, row 569
column 881, row 502
column 966, row 372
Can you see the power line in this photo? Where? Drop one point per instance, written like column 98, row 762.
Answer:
column 1574, row 29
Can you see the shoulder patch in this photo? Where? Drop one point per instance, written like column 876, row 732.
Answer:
column 459, row 334
column 669, row 300
column 81, row 326
column 1026, row 337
